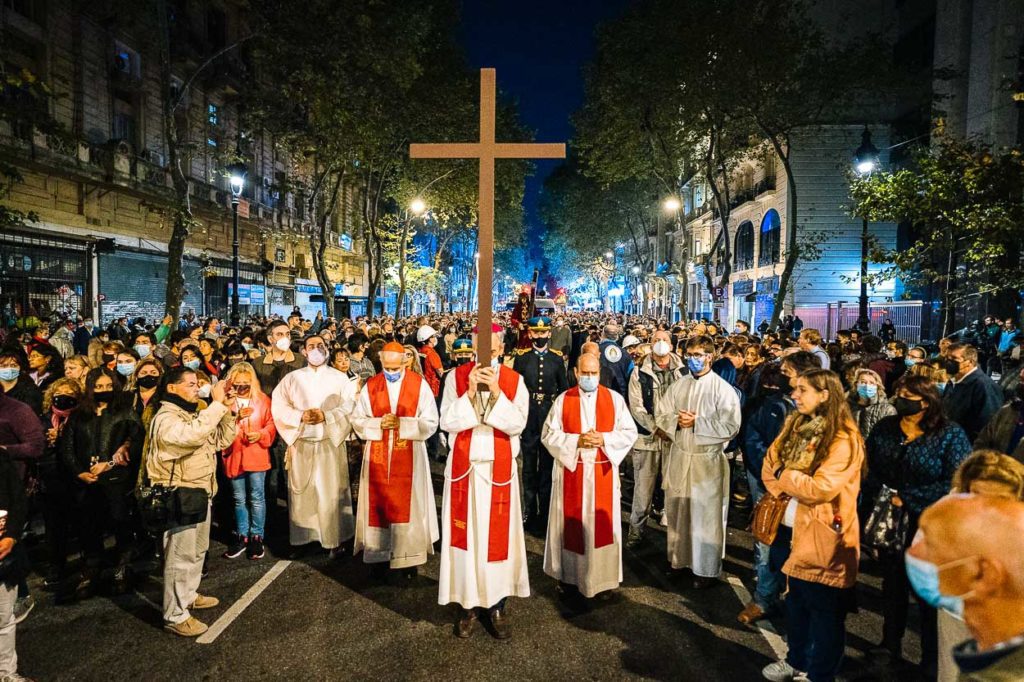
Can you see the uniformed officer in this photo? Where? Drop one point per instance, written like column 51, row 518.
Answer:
column 543, row 371
column 615, row 361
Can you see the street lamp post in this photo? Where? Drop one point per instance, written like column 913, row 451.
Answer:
column 865, row 160
column 236, row 175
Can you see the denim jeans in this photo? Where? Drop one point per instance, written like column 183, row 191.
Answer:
column 250, row 522
column 769, row 583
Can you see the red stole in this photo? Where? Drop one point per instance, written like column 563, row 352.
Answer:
column 572, row 481
column 501, row 473
column 390, row 484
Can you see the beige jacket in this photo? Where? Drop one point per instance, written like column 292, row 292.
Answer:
column 189, row 442
column 820, row 553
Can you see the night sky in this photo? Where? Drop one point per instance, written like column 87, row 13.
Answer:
column 539, row 48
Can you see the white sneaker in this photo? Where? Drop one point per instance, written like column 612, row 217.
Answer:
column 781, row 671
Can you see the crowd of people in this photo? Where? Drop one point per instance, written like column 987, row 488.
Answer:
column 100, row 426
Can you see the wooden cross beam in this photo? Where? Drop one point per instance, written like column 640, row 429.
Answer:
column 486, row 150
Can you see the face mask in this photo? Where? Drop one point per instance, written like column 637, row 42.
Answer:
column 662, row 348
column 88, row 324
column 941, row 385
column 696, row 365
column 143, row 349
column 108, row 358
column 906, row 407
column 103, row 396
column 389, row 336
column 910, row 362
column 392, row 377
column 589, row 383
column 540, row 341
column 242, row 390
column 316, row 357
column 193, row 364
column 495, row 363
column 125, row 369
column 246, row 346
column 924, row 578
column 559, row 323
column 9, row 373
column 952, row 367
column 867, row 391
column 65, row 402
column 204, row 390
column 283, row 344
column 148, row 381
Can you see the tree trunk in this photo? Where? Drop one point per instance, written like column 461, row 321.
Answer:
column 319, row 251
column 402, row 252
column 792, row 249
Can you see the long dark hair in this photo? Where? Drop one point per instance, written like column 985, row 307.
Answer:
column 923, row 387
column 88, row 404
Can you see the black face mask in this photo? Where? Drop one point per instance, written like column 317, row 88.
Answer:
column 389, row 337
column 242, row 390
column 103, row 396
column 148, row 381
column 65, row 402
column 952, row 367
column 540, row 341
column 905, row 407
column 108, row 358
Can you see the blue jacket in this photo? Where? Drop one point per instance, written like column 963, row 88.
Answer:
column 763, row 418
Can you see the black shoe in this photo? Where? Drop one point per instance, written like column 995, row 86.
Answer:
column 206, row 566
column 499, row 622
column 236, row 548
column 255, row 549
column 378, row 571
column 53, row 580
column 701, row 583
column 120, row 583
column 464, row 625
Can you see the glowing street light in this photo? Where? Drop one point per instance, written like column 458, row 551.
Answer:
column 865, row 159
column 417, row 206
column 671, row 204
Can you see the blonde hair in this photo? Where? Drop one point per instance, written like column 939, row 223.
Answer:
column 70, row 384
column 993, row 466
column 244, row 368
column 415, row 367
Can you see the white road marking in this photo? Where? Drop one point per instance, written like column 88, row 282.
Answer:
column 236, row 609
column 146, row 600
column 775, row 641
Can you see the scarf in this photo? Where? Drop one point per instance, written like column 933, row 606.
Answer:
column 799, row 449
column 173, row 399
column 58, row 417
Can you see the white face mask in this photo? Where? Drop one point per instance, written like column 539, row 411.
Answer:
column 495, row 363
column 283, row 344
column 204, row 390
column 316, row 357
column 662, row 348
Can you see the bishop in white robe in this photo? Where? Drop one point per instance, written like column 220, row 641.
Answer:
column 396, row 518
column 700, row 413
column 311, row 408
column 483, row 548
column 588, row 432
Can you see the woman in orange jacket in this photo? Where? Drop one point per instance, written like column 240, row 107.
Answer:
column 816, row 461
column 247, row 461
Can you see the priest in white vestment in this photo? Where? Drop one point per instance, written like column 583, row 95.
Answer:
column 483, row 549
column 311, row 408
column 700, row 413
column 396, row 518
column 588, row 433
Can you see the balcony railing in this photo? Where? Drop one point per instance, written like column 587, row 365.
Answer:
column 765, row 185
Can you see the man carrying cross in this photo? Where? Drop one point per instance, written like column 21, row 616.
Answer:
column 483, row 549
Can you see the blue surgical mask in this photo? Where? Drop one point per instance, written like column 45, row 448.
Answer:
column 696, row 365
column 246, row 346
column 589, row 383
column 941, row 385
column 9, row 373
column 392, row 377
column 924, row 578
column 193, row 364
column 910, row 362
column 143, row 349
column 867, row 391
column 125, row 369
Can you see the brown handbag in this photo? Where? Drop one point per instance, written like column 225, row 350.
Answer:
column 767, row 516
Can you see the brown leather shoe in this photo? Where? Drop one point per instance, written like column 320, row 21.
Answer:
column 499, row 621
column 192, row 627
column 464, row 626
column 204, row 602
column 751, row 614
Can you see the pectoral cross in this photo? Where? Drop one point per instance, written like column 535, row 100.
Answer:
column 486, row 150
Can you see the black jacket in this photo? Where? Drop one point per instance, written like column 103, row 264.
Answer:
column 543, row 373
column 763, row 418
column 972, row 402
column 26, row 391
column 89, row 439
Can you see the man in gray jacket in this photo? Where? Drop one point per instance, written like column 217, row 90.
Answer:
column 647, row 384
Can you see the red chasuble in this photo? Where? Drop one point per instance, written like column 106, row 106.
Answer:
column 572, row 481
column 501, row 474
column 391, row 458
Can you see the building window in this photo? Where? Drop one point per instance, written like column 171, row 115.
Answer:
column 743, row 256
column 124, row 125
column 213, row 125
column 771, row 232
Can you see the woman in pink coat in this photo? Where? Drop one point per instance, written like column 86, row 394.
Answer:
column 247, row 461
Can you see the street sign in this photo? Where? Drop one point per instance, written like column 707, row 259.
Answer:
column 243, row 212
column 101, row 298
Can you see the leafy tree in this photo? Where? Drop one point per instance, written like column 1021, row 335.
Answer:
column 965, row 201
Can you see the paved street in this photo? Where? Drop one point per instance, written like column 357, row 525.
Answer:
column 322, row 619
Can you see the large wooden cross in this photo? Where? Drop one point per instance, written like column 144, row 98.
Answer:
column 487, row 150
